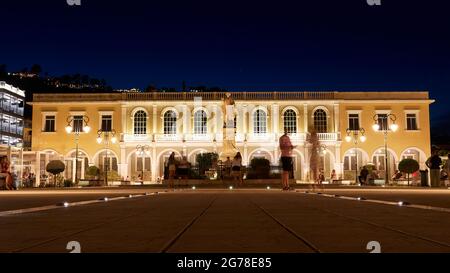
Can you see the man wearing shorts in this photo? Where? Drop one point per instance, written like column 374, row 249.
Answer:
column 286, row 148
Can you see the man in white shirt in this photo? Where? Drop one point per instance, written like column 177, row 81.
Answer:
column 286, row 148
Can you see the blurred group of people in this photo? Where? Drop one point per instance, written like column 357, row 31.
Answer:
column 439, row 171
column 181, row 168
column 8, row 175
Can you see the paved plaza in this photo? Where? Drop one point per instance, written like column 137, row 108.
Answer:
column 152, row 220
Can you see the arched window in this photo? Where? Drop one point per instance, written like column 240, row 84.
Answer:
column 290, row 122
column 260, row 122
column 320, row 121
column 200, row 123
column 170, row 123
column 140, row 123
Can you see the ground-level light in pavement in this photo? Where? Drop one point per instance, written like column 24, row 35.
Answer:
column 194, row 188
column 360, row 198
column 402, row 203
column 268, row 187
column 130, row 196
column 231, row 187
column 104, row 199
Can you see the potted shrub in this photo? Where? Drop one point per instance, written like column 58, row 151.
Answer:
column 205, row 161
column 260, row 168
column 408, row 166
column 92, row 174
column 55, row 167
column 68, row 183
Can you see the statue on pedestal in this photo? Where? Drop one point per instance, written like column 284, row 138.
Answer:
column 229, row 130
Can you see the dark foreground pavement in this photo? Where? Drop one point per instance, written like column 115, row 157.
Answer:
column 224, row 221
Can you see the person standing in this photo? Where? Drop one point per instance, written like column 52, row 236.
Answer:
column 286, row 148
column 236, row 166
column 434, row 164
column 364, row 173
column 172, row 164
column 333, row 176
column 228, row 165
column 183, row 170
column 446, row 168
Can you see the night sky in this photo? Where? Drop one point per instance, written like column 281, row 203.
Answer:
column 239, row 45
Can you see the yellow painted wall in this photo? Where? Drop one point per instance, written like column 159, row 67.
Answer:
column 63, row 143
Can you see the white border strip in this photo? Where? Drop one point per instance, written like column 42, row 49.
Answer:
column 424, row 207
column 74, row 204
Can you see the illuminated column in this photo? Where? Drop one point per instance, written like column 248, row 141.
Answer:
column 185, row 120
column 123, row 166
column 275, row 120
column 276, row 131
column 338, row 165
column 214, row 120
column 47, row 159
column 306, row 166
column 336, row 118
column 276, row 154
column 155, row 163
column 37, row 168
column 184, row 150
column 155, row 120
column 240, row 121
column 124, row 120
column 305, row 118
column 83, row 169
column 244, row 120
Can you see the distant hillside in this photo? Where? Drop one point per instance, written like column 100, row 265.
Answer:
column 32, row 82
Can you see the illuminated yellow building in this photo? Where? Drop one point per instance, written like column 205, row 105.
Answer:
column 191, row 123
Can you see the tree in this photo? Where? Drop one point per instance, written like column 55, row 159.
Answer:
column 205, row 161
column 55, row 167
column 36, row 69
column 3, row 70
column 85, row 80
column 261, row 167
column 93, row 172
column 150, row 88
column 408, row 166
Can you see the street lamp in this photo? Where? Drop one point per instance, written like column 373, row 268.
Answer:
column 77, row 125
column 104, row 136
column 357, row 136
column 381, row 125
column 142, row 150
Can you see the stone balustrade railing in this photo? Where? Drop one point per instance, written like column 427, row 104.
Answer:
column 246, row 96
column 183, row 96
column 269, row 137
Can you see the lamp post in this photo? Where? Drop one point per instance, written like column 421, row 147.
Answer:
column 104, row 136
column 77, row 125
column 356, row 136
column 381, row 125
column 142, row 150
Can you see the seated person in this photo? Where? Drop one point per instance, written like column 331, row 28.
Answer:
column 333, row 176
column 397, row 175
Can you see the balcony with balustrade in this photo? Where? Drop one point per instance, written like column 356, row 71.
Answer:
column 296, row 139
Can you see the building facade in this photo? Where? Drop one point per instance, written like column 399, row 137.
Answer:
column 12, row 102
column 150, row 126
